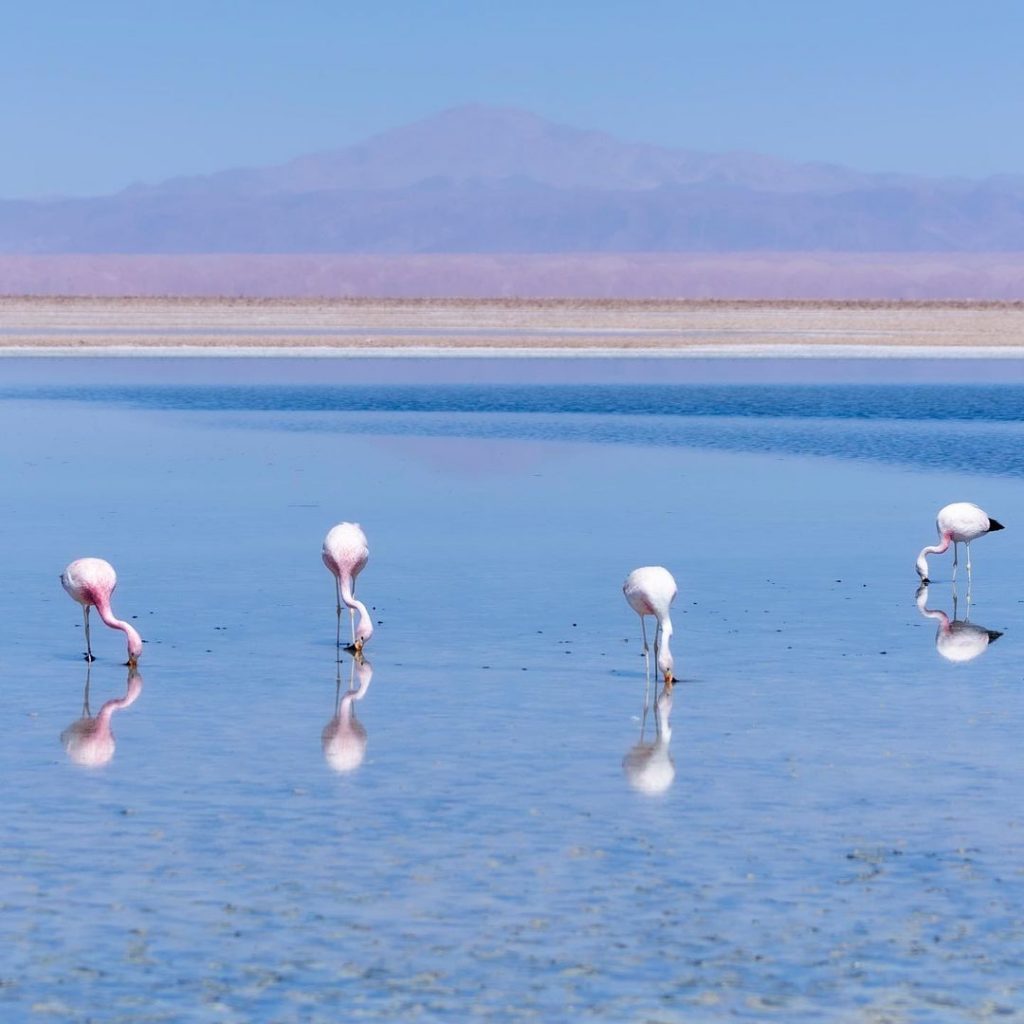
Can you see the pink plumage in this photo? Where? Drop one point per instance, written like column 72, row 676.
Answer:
column 345, row 553
column 91, row 581
column 650, row 590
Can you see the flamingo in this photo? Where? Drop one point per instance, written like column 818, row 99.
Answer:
column 91, row 581
column 344, row 737
column 960, row 640
column 651, row 591
column 89, row 741
column 345, row 553
column 960, row 522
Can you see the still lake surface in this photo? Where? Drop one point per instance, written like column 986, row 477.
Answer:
column 488, row 827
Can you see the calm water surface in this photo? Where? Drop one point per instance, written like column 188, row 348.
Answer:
column 481, row 823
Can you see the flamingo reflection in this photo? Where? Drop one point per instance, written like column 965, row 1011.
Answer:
column 648, row 764
column 89, row 741
column 959, row 640
column 344, row 736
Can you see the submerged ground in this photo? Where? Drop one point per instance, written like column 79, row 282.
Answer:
column 831, row 830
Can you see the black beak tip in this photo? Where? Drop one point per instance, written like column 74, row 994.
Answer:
column 994, row 524
column 993, row 635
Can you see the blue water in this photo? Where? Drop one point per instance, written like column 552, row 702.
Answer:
column 836, row 832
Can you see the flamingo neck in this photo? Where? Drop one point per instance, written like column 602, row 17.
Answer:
column 932, row 549
column 134, row 640
column 665, row 663
column 364, row 627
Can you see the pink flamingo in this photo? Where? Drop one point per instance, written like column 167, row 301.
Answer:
column 960, row 523
column 345, row 553
column 90, row 741
column 651, row 591
column 344, row 737
column 91, row 581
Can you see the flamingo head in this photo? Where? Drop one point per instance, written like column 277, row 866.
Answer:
column 363, row 631
column 922, row 568
column 134, row 645
column 665, row 665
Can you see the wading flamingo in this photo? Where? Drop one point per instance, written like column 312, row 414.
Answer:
column 91, row 581
column 651, row 591
column 345, row 553
column 89, row 741
column 960, row 522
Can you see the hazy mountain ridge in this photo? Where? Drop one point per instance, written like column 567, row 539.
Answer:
column 478, row 179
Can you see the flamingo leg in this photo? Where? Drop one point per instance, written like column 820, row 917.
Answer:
column 88, row 640
column 657, row 656
column 968, row 563
column 337, row 588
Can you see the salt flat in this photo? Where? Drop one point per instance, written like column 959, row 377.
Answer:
column 507, row 325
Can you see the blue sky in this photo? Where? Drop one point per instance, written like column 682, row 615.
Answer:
column 98, row 95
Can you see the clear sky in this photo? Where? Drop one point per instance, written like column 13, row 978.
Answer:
column 99, row 94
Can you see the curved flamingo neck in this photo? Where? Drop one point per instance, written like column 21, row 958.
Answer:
column 664, row 651
column 107, row 615
column 349, row 600
column 938, row 549
column 932, row 549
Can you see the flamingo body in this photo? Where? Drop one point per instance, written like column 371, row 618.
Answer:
column 91, row 581
column 345, row 553
column 651, row 590
column 958, row 523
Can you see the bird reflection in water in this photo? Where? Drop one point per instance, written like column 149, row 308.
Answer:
column 959, row 640
column 648, row 764
column 344, row 736
column 90, row 741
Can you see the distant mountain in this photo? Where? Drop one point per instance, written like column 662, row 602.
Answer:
column 480, row 179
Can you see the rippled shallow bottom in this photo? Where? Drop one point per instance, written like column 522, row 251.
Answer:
column 839, row 839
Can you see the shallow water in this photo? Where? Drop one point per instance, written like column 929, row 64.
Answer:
column 838, row 832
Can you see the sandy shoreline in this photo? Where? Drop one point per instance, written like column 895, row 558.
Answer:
column 77, row 326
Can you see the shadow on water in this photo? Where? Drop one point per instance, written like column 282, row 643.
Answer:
column 89, row 741
column 957, row 640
